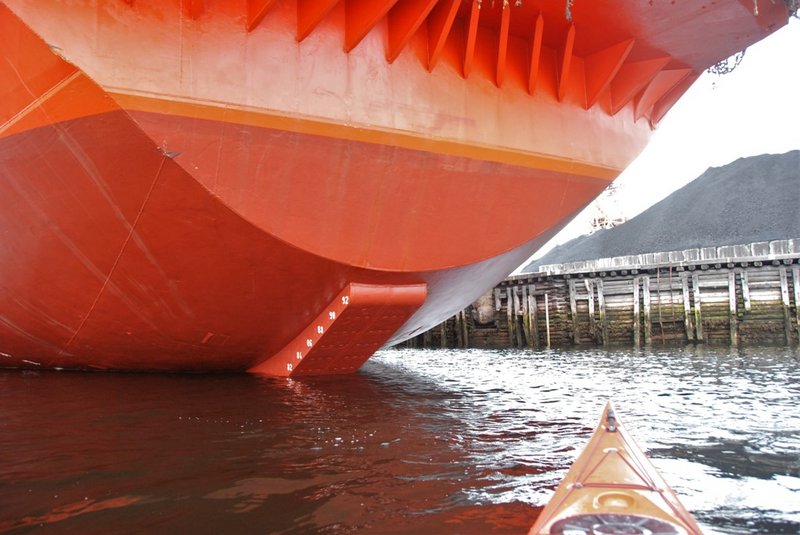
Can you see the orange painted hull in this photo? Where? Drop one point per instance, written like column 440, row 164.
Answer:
column 192, row 187
column 613, row 488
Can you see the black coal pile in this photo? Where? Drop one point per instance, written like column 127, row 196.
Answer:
column 752, row 199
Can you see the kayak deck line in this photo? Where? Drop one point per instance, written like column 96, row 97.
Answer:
column 613, row 488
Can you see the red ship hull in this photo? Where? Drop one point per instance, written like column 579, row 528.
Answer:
column 248, row 218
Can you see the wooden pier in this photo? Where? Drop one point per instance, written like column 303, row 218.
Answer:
column 744, row 294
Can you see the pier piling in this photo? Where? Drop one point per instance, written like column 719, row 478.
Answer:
column 698, row 297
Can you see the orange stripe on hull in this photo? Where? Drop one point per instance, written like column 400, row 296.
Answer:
column 306, row 125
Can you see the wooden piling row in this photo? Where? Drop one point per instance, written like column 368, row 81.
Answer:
column 751, row 302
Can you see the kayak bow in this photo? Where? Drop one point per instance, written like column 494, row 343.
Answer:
column 612, row 488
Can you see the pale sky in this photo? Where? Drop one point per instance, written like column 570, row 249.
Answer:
column 753, row 110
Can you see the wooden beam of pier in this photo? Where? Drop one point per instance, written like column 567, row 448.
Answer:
column 687, row 317
column 518, row 312
column 698, row 314
column 510, row 317
column 636, row 326
column 745, row 292
column 796, row 288
column 592, row 326
column 601, row 302
column 465, row 324
column 648, row 323
column 660, row 315
column 547, row 318
column 458, row 329
column 787, row 315
column 732, row 319
column 573, row 308
column 532, row 310
column 526, row 325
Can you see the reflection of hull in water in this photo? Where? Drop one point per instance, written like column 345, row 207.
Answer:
column 225, row 189
column 314, row 454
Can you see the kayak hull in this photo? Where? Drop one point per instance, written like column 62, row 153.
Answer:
column 613, row 488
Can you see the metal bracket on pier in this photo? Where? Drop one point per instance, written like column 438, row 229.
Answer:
column 347, row 332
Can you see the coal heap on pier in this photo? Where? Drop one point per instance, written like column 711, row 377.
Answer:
column 750, row 200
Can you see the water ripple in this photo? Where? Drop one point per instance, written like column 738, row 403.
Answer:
column 418, row 442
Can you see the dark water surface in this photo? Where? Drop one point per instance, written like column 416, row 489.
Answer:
column 417, row 442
